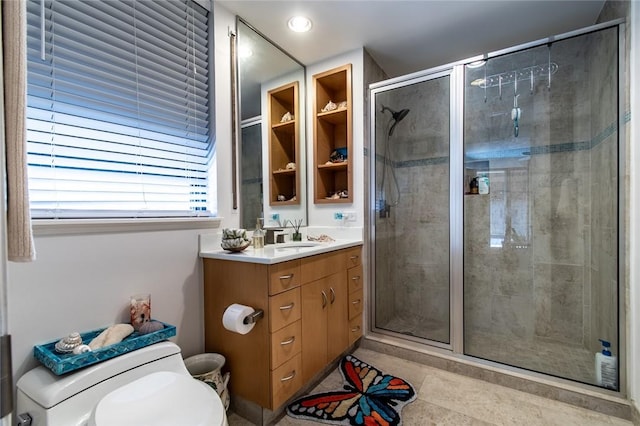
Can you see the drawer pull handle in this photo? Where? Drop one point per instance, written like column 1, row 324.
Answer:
column 355, row 302
column 286, row 277
column 333, row 295
column 289, row 341
column 354, row 257
column 287, row 307
column 356, row 328
column 356, row 278
column 324, row 299
column 289, row 377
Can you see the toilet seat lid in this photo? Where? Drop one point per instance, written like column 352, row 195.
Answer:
column 160, row 398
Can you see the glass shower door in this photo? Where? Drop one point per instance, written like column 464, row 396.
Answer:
column 411, row 226
column 541, row 206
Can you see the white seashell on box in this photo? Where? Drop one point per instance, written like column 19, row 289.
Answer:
column 68, row 343
column 81, row 349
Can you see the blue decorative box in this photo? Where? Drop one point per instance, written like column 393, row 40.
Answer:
column 64, row 363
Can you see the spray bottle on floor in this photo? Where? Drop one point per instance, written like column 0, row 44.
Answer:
column 606, row 367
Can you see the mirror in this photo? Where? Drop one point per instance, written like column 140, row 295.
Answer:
column 270, row 187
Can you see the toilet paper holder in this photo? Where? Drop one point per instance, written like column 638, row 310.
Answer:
column 253, row 317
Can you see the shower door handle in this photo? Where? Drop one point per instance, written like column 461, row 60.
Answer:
column 324, row 299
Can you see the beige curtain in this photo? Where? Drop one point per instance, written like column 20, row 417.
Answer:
column 14, row 45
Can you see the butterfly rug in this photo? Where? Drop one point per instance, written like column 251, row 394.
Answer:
column 368, row 397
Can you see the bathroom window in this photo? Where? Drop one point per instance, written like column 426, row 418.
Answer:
column 119, row 117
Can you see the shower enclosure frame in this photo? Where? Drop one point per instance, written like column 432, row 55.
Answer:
column 456, row 72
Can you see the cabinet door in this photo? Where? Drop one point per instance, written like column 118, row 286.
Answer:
column 315, row 305
column 338, row 315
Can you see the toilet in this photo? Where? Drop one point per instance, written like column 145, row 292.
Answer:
column 148, row 386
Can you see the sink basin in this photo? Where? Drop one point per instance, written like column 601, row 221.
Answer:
column 297, row 244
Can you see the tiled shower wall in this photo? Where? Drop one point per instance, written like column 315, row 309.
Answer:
column 540, row 249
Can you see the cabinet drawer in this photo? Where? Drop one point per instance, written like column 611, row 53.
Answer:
column 284, row 276
column 284, row 309
column 355, row 329
column 286, row 380
column 353, row 256
column 285, row 343
column 322, row 265
column 355, row 303
column 354, row 277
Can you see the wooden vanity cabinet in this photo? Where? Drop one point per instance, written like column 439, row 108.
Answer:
column 265, row 364
column 355, row 280
column 307, row 323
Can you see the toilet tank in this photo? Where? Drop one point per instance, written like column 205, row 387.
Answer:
column 68, row 400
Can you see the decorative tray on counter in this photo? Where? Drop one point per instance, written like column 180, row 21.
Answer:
column 63, row 363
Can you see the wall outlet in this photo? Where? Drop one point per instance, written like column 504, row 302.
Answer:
column 350, row 216
column 338, row 216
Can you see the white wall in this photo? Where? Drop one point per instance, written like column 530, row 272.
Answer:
column 633, row 319
column 323, row 214
column 83, row 282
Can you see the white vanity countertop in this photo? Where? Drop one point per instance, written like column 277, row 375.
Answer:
column 276, row 253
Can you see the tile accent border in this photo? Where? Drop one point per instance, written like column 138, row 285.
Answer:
column 513, row 153
column 607, row 404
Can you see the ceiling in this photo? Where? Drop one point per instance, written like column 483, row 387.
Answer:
column 408, row 36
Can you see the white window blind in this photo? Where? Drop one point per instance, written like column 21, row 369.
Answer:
column 118, row 120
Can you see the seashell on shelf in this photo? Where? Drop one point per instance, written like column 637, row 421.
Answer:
column 69, row 343
column 330, row 106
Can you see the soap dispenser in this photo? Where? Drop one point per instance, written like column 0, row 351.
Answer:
column 258, row 235
column 606, row 367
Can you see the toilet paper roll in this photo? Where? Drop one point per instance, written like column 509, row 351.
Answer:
column 233, row 318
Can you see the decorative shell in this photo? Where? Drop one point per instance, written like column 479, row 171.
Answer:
column 150, row 327
column 330, row 106
column 69, row 343
column 286, row 117
column 81, row 349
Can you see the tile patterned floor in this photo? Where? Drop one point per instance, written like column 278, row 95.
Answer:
column 446, row 398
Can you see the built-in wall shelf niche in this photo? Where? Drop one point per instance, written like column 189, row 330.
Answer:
column 284, row 149
column 332, row 136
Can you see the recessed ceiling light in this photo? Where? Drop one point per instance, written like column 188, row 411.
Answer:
column 300, row 24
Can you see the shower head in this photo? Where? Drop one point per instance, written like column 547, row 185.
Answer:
column 397, row 116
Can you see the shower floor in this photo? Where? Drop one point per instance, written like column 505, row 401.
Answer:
column 556, row 359
column 412, row 325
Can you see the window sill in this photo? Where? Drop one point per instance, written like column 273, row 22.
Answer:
column 106, row 226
